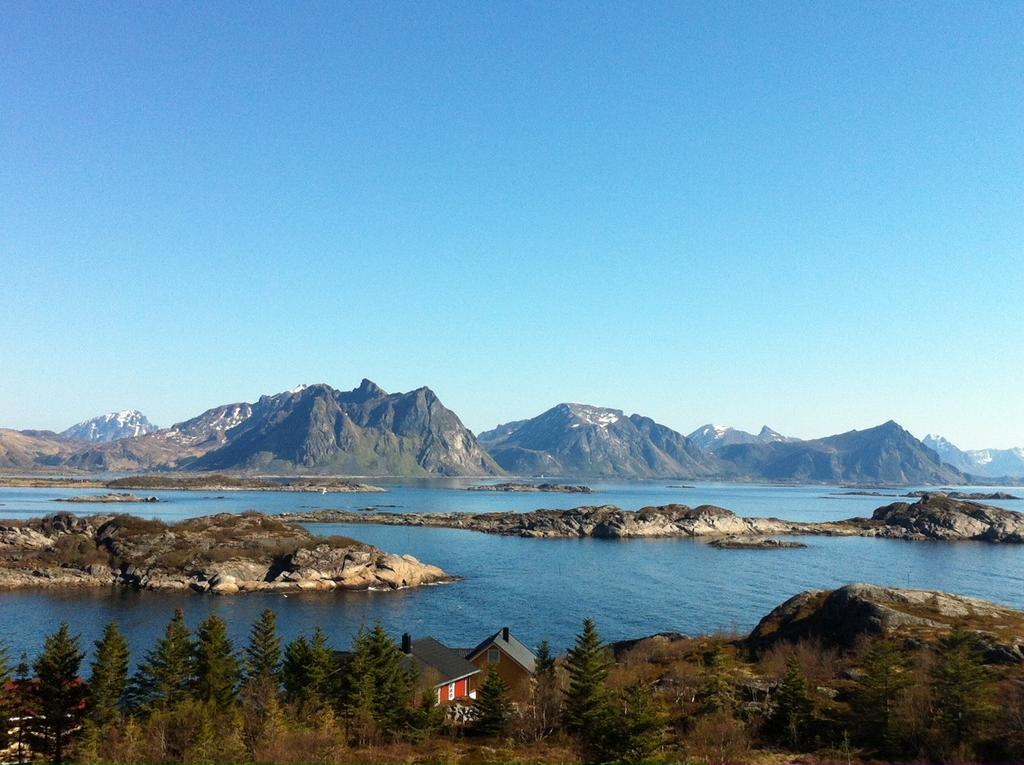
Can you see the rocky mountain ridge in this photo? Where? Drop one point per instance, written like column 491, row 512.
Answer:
column 309, row 429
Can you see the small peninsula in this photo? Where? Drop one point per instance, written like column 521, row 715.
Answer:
column 224, row 553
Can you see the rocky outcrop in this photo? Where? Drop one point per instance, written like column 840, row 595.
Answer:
column 557, row 488
column 940, row 516
column 974, row 495
column 112, row 498
column 223, row 554
column 601, row 522
column 840, row 617
column 754, row 543
column 934, row 517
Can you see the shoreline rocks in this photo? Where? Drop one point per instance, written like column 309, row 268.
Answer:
column 224, row 554
column 196, row 482
column 559, row 488
column 754, row 543
column 111, row 498
column 935, row 517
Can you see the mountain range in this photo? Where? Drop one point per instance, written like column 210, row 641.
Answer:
column 710, row 437
column 990, row 463
column 309, row 429
column 367, row 431
column 583, row 440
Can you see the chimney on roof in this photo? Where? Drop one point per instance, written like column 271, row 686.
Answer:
column 406, row 643
column 504, row 634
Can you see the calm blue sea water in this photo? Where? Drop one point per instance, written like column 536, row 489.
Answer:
column 541, row 588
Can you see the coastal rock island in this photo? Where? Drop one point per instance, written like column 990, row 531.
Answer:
column 224, row 553
column 935, row 516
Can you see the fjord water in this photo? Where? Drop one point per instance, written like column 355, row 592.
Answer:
column 541, row 588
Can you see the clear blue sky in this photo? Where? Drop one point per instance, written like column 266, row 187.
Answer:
column 809, row 215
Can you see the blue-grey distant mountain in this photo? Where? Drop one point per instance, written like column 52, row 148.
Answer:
column 592, row 441
column 989, row 463
column 711, row 437
column 129, row 423
column 885, row 454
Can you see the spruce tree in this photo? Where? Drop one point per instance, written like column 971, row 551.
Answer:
column 216, row 666
column 794, row 707
column 322, row 665
column 962, row 687
column 58, row 694
column 108, row 681
column 165, row 677
column 392, row 682
column 875, row 702
column 586, row 701
column 717, row 691
column 309, row 670
column 359, row 705
column 263, row 654
column 637, row 728
column 295, row 671
column 491, row 710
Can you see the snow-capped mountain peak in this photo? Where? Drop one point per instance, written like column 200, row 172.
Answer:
column 127, row 423
column 593, row 415
column 991, row 463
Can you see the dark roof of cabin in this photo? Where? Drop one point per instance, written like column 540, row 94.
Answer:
column 519, row 652
column 448, row 663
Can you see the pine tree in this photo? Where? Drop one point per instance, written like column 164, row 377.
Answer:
column 58, row 694
column 794, row 707
column 876, row 700
column 216, row 666
column 962, row 687
column 586, row 704
column 165, row 677
column 109, row 679
column 263, row 654
column 637, row 728
column 491, row 710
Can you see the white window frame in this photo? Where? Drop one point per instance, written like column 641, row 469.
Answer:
column 451, row 691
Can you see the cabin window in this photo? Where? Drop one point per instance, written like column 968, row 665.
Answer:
column 451, row 691
column 493, row 655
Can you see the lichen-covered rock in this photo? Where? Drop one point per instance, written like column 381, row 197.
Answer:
column 840, row 617
column 939, row 516
column 222, row 554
